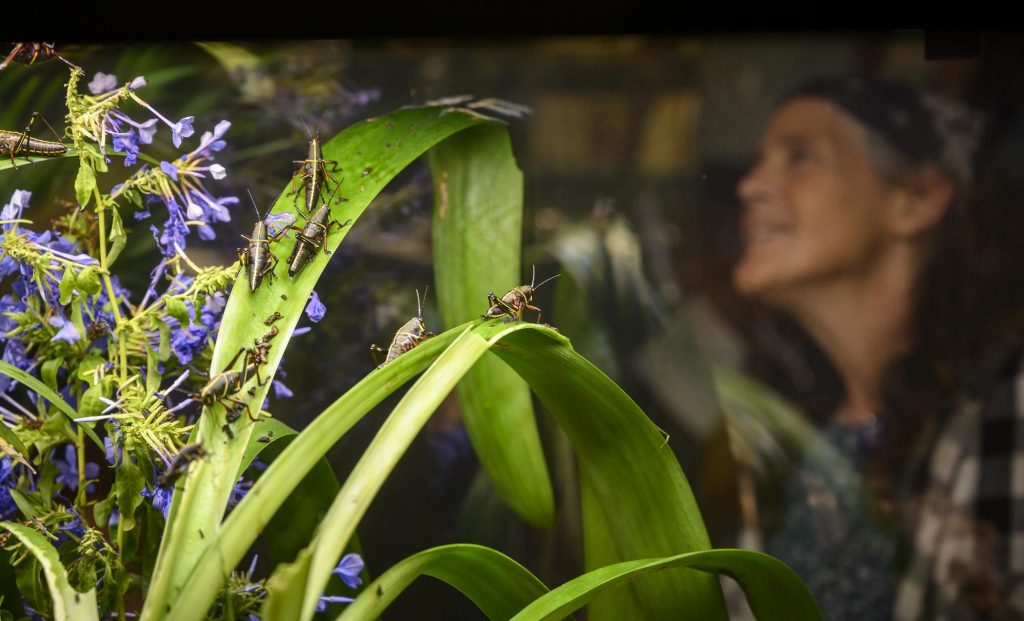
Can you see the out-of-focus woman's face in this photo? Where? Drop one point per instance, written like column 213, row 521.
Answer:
column 813, row 204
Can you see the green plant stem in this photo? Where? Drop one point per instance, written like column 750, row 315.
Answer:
column 122, row 348
column 105, row 273
column 80, row 446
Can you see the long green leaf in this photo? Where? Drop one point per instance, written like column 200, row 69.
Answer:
column 37, row 385
column 499, row 586
column 774, row 591
column 68, row 604
column 478, row 195
column 369, row 155
column 7, row 163
column 630, row 469
column 50, row 395
column 274, row 486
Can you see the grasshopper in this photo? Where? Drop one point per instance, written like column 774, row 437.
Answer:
column 312, row 236
column 224, row 385
column 22, row 143
column 179, row 465
column 513, row 303
column 256, row 257
column 408, row 336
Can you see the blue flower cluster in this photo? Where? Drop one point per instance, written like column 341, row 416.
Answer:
column 35, row 292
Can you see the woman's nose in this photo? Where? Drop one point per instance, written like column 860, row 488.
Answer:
column 754, row 186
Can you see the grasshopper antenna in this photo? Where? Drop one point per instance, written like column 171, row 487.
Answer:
column 308, row 133
column 337, row 186
column 548, row 280
column 420, row 303
column 320, row 120
column 258, row 216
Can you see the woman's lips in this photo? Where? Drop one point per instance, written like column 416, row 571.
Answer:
column 758, row 231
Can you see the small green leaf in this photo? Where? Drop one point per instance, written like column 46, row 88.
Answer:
column 91, row 404
column 6, row 433
column 28, row 503
column 48, row 371
column 67, row 602
column 88, row 367
column 164, row 351
column 128, row 487
column 176, row 308
column 89, row 280
column 153, row 376
column 85, row 183
column 103, row 509
column 67, row 285
column 118, row 237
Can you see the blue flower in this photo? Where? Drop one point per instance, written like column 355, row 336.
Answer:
column 67, row 333
column 102, row 82
column 182, row 129
column 70, row 530
column 127, row 142
column 315, row 310
column 13, row 209
column 170, row 169
column 348, row 570
column 277, row 222
column 114, row 451
column 281, row 391
column 238, row 492
column 146, row 131
column 69, row 470
column 211, row 141
column 187, row 342
column 172, row 237
column 7, row 482
column 161, row 498
column 321, row 604
column 14, row 354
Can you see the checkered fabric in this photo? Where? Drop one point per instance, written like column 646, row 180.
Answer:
column 967, row 559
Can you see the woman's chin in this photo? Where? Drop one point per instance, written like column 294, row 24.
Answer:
column 759, row 280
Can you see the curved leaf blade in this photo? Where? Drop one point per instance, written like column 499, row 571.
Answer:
column 68, row 604
column 620, row 451
column 633, row 475
column 498, row 585
column 478, row 194
column 774, row 591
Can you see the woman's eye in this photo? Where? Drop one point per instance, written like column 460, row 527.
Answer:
column 800, row 155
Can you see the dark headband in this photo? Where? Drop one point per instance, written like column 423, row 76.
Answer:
column 893, row 109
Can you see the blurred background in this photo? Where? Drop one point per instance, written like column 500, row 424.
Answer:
column 630, row 157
